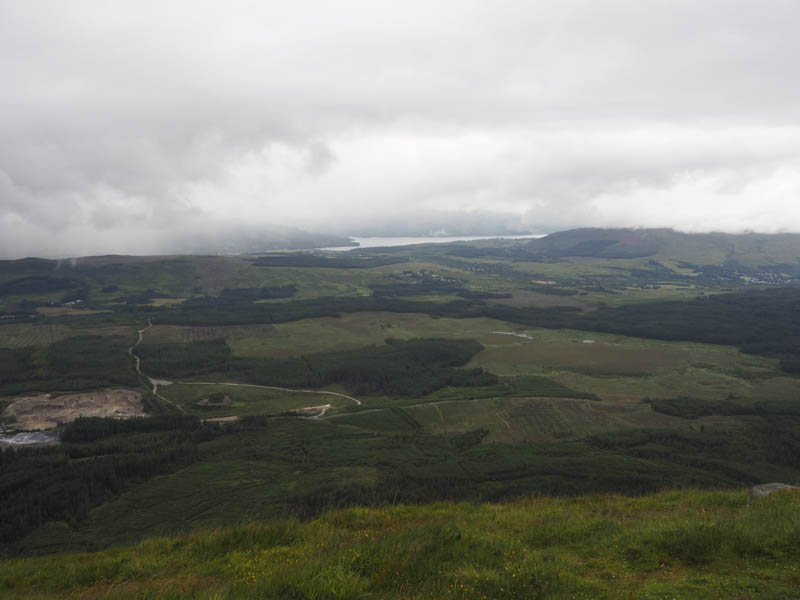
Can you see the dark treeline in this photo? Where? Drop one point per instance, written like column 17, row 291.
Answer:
column 260, row 293
column 431, row 285
column 693, row 408
column 417, row 288
column 551, row 290
column 230, row 299
column 349, row 261
column 773, row 440
column 38, row 284
column 184, row 360
column 420, row 468
column 139, row 298
column 399, row 368
column 525, row 386
column 72, row 364
column 480, row 295
column 760, row 322
column 99, row 459
column 515, row 254
column 332, row 306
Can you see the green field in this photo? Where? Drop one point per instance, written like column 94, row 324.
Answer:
column 21, row 336
column 245, row 401
column 613, row 367
column 352, row 330
column 524, row 420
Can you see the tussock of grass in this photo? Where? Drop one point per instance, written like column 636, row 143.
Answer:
column 679, row 544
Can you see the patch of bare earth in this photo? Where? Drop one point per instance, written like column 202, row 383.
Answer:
column 231, row 419
column 309, row 411
column 46, row 412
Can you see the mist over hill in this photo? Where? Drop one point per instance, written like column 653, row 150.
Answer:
column 201, row 236
column 432, row 223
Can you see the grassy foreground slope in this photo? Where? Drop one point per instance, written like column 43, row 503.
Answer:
column 678, row 544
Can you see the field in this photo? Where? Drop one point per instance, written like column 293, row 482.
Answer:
column 20, row 336
column 24, row 336
column 680, row 544
column 630, row 369
column 354, row 330
column 611, row 366
column 525, row 420
column 320, row 282
column 245, row 401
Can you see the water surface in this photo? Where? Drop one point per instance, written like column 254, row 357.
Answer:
column 383, row 242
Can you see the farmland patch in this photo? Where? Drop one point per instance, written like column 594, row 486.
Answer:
column 594, row 358
column 242, row 400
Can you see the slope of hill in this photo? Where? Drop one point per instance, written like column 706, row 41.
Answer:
column 680, row 544
column 749, row 249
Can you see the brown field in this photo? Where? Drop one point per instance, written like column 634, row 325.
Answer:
column 525, row 420
column 163, row 334
column 57, row 311
column 23, row 335
column 351, row 330
column 214, row 273
column 166, row 301
column 46, row 412
column 597, row 358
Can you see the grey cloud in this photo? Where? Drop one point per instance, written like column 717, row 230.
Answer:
column 117, row 115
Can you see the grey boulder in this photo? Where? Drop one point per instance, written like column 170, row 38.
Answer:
column 765, row 489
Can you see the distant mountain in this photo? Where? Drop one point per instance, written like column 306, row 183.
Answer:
column 248, row 240
column 748, row 249
column 190, row 236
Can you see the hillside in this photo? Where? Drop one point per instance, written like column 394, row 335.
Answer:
column 749, row 249
column 680, row 544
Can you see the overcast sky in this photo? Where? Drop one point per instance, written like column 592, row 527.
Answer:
column 121, row 122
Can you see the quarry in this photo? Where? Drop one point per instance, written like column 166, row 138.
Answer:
column 47, row 411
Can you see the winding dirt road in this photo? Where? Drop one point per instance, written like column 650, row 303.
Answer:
column 157, row 382
column 138, row 362
column 271, row 387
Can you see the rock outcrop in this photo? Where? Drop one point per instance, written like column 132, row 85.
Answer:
column 765, row 489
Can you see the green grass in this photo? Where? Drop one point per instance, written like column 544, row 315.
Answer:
column 245, row 400
column 681, row 544
column 319, row 282
column 307, row 336
column 392, row 420
column 22, row 335
column 26, row 335
column 526, row 420
column 628, row 369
